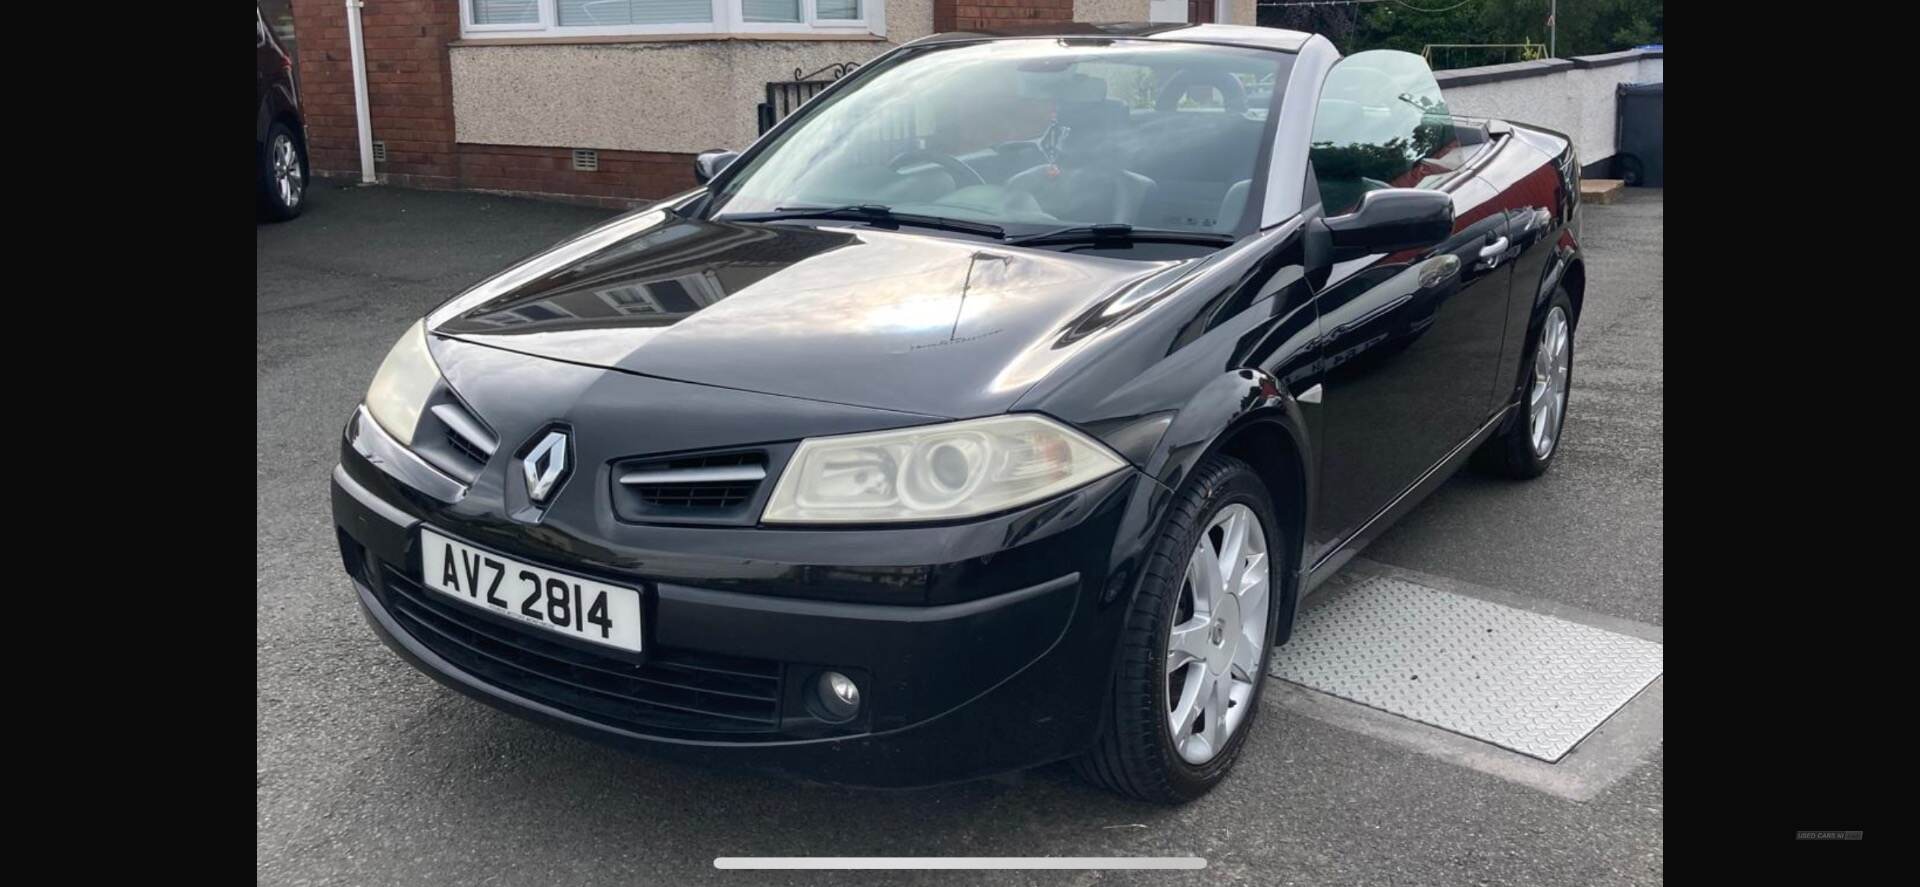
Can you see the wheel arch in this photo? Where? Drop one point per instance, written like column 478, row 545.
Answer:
column 279, row 106
column 1262, row 441
column 1248, row 415
column 1574, row 279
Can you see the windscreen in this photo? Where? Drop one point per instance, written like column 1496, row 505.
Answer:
column 1033, row 134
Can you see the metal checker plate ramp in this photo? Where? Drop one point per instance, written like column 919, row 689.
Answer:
column 1523, row 681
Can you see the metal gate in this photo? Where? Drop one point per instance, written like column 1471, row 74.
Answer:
column 786, row 96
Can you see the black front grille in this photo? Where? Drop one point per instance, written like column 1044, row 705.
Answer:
column 466, row 448
column 700, row 501
column 673, row 692
column 439, row 441
column 726, row 495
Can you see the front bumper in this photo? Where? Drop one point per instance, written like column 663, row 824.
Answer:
column 1000, row 662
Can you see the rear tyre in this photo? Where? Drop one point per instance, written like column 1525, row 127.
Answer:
column 1194, row 651
column 282, row 175
column 1525, row 449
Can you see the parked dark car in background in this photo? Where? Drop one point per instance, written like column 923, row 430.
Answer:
column 279, row 132
column 996, row 408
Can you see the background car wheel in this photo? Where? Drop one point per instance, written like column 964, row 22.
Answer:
column 1194, row 652
column 1631, row 172
column 1525, row 449
column 283, row 175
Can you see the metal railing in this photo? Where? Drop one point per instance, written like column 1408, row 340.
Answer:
column 787, row 96
column 1509, row 52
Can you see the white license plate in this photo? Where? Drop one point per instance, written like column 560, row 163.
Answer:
column 548, row 599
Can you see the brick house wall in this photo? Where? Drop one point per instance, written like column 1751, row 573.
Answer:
column 972, row 15
column 410, row 102
column 409, row 88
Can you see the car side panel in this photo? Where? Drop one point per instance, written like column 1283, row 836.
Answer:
column 1540, row 199
column 1412, row 343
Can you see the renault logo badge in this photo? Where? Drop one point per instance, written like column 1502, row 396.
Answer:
column 546, row 466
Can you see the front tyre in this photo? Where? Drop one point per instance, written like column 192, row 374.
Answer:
column 1193, row 654
column 1525, row 449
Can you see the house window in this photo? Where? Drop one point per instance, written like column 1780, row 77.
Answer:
column 602, row 18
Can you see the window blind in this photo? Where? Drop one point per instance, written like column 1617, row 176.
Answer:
column 590, row 13
column 836, row 10
column 506, row 12
column 771, row 10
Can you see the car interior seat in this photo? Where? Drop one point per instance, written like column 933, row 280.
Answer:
column 1232, row 206
column 1197, row 155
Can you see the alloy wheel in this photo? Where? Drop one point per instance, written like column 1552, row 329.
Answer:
column 287, row 178
column 1547, row 399
column 1219, row 633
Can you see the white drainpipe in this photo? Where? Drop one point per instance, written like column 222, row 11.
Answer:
column 360, row 113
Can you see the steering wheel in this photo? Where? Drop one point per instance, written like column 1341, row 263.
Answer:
column 1232, row 94
column 963, row 175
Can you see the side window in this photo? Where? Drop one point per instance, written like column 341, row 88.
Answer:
column 1381, row 123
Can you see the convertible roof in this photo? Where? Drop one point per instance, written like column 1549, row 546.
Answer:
column 1225, row 35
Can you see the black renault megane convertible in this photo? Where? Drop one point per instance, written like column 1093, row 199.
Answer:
column 997, row 407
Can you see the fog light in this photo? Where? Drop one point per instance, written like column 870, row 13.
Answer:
column 839, row 696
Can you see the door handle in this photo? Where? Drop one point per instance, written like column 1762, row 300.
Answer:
column 1491, row 253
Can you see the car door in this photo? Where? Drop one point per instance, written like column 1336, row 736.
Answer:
column 1410, row 340
column 1537, row 194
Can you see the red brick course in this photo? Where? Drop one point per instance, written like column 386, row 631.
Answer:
column 624, row 177
column 975, row 15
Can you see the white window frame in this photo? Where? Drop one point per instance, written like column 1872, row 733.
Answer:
column 729, row 17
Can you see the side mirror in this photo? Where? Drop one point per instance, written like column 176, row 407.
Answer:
column 1390, row 220
column 709, row 164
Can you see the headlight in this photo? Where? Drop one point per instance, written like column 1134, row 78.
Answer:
column 935, row 472
column 402, row 384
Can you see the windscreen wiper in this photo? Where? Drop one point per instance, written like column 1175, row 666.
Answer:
column 1120, row 233
column 871, row 213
